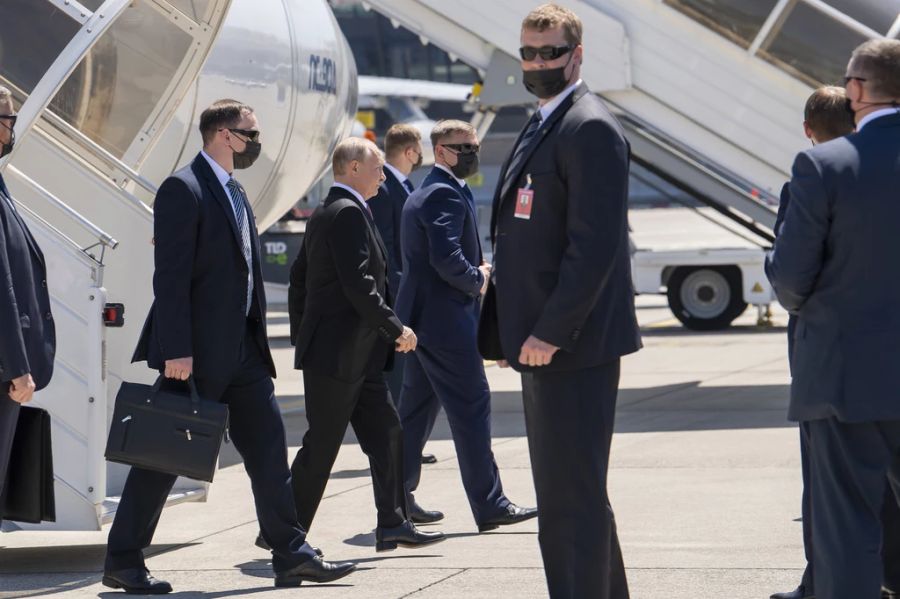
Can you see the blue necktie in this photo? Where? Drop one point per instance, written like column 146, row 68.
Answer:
column 238, row 202
column 534, row 125
column 409, row 186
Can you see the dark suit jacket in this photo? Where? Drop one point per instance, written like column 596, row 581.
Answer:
column 27, row 331
column 387, row 208
column 565, row 275
column 341, row 321
column 836, row 264
column 783, row 203
column 441, row 284
column 200, row 279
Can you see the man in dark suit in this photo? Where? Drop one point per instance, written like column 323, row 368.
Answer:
column 825, row 117
column 442, row 284
column 208, row 321
column 345, row 333
column 835, row 265
column 560, row 306
column 403, row 155
column 27, row 332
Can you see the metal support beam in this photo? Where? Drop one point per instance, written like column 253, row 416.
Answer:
column 772, row 26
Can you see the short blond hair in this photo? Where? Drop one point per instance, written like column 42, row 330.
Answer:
column 400, row 137
column 352, row 148
column 448, row 128
column 550, row 15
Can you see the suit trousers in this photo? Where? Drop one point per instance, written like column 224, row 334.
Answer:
column 569, row 418
column 890, row 521
column 331, row 405
column 257, row 431
column 849, row 467
column 394, row 378
column 454, row 379
column 9, row 416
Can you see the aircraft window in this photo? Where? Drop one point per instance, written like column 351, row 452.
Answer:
column 146, row 50
column 32, row 35
column 876, row 14
column 737, row 20
column 195, row 9
column 798, row 46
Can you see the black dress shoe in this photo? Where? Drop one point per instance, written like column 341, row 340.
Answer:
column 135, row 581
column 313, row 570
column 513, row 515
column 428, row 458
column 261, row 543
column 405, row 535
column 420, row 515
column 798, row 593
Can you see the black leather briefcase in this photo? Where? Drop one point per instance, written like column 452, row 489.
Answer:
column 167, row 429
column 29, row 478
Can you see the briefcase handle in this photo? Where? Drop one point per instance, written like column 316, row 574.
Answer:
column 195, row 397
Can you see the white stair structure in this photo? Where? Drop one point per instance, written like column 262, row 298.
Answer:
column 110, row 94
column 710, row 91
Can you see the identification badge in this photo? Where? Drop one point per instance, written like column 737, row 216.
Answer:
column 524, row 201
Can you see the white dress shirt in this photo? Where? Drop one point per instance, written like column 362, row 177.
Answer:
column 462, row 182
column 553, row 103
column 400, row 176
column 874, row 115
column 355, row 193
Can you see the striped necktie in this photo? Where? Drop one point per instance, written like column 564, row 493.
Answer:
column 239, row 203
column 534, row 125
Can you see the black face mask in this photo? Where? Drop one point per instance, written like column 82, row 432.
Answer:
column 246, row 158
column 547, row 83
column 8, row 147
column 466, row 165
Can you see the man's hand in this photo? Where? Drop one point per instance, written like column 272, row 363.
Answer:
column 21, row 389
column 407, row 341
column 502, row 363
column 536, row 352
column 485, row 269
column 179, row 368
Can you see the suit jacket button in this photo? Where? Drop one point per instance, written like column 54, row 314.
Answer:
column 44, row 284
column 48, row 316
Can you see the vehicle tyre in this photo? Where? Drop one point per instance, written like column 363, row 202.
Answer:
column 706, row 298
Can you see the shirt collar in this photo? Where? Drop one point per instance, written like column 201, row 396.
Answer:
column 400, row 176
column 874, row 115
column 547, row 109
column 221, row 174
column 355, row 193
column 462, row 182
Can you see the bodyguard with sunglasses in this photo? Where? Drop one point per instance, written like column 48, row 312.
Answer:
column 208, row 322
column 560, row 307
column 443, row 280
column 27, row 332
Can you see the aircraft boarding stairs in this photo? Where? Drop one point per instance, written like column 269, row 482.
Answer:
column 83, row 129
column 711, row 92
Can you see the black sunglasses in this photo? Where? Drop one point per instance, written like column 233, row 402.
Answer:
column 463, row 148
column 10, row 117
column 250, row 134
column 545, row 52
column 849, row 78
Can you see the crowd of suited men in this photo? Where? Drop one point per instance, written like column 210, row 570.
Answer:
column 394, row 310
